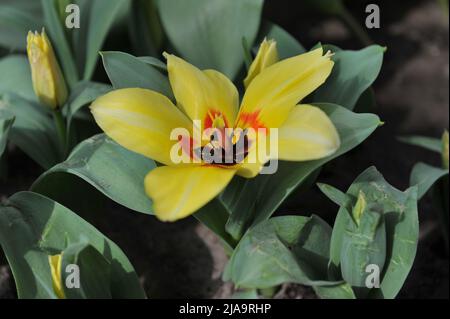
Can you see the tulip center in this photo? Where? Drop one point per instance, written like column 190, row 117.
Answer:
column 226, row 147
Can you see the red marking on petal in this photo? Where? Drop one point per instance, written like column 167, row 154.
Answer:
column 211, row 115
column 247, row 119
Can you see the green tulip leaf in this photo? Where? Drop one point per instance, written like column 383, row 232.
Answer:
column 102, row 15
column 32, row 227
column 353, row 73
column 17, row 17
column 93, row 268
column 429, row 143
column 83, row 94
column 57, row 34
column 6, row 121
column 399, row 211
column 113, row 170
column 146, row 32
column 363, row 244
column 33, row 130
column 125, row 71
column 15, row 76
column 209, row 33
column 281, row 249
column 339, row 291
column 425, row 176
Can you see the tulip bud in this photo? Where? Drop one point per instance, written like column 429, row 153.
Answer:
column 267, row 55
column 55, row 262
column 48, row 80
column 359, row 208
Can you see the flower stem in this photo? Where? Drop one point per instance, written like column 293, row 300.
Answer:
column 61, row 131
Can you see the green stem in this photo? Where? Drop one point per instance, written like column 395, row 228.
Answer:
column 355, row 26
column 61, row 131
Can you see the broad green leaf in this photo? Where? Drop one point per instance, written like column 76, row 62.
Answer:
column 15, row 76
column 245, row 294
column 339, row 291
column 15, row 22
column 154, row 62
column 209, row 33
column 102, row 15
column 281, row 249
column 33, row 130
column 125, row 71
column 402, row 230
column 32, row 227
column 82, row 94
column 94, row 270
column 113, row 170
column 429, row 143
column 425, row 176
column 6, row 121
column 146, row 32
column 362, row 245
column 352, row 74
column 56, row 32
column 79, row 124
column 287, row 45
column 269, row 191
column 78, row 37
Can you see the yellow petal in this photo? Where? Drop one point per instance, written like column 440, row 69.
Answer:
column 48, row 81
column 307, row 134
column 277, row 89
column 141, row 121
column 250, row 169
column 178, row 192
column 267, row 55
column 202, row 94
column 55, row 262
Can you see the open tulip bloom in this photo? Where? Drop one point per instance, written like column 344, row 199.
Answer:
column 207, row 138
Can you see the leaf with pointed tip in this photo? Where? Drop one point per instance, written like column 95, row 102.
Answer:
column 281, row 249
column 353, row 73
column 429, row 143
column 113, row 170
column 425, row 176
column 33, row 130
column 208, row 33
column 127, row 71
column 32, row 227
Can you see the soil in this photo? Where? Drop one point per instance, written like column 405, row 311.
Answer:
column 185, row 260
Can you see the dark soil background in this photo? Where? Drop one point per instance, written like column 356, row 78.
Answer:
column 185, row 260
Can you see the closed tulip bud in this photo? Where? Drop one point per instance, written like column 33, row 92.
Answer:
column 48, row 80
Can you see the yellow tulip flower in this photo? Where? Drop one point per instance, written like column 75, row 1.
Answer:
column 143, row 121
column 47, row 78
column 55, row 262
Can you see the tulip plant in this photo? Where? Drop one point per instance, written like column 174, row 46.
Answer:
column 223, row 118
